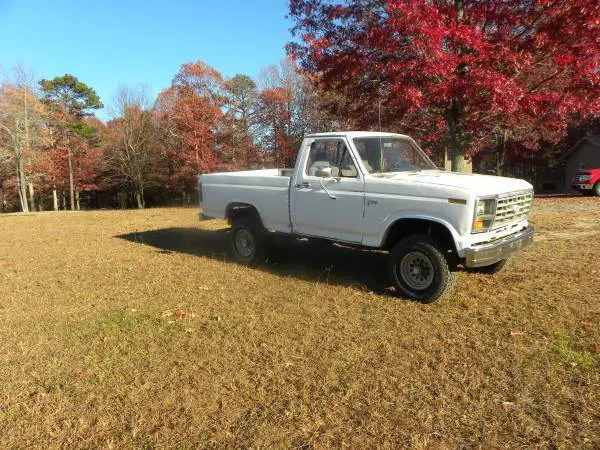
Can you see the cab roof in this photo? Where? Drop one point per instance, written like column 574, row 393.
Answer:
column 353, row 134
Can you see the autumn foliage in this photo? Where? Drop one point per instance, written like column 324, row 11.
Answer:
column 190, row 111
column 201, row 123
column 456, row 73
column 276, row 116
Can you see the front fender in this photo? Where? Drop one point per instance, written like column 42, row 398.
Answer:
column 391, row 219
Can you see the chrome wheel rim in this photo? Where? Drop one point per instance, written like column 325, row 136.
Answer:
column 416, row 270
column 244, row 243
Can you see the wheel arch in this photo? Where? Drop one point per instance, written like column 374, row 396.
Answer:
column 441, row 231
column 238, row 209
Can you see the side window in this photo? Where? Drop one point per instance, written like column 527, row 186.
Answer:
column 323, row 153
column 331, row 153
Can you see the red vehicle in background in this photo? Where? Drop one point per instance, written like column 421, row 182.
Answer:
column 587, row 182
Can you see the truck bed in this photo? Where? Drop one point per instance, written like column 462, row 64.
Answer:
column 266, row 189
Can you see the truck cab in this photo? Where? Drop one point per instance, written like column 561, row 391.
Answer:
column 381, row 191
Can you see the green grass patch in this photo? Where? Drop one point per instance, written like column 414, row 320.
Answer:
column 571, row 352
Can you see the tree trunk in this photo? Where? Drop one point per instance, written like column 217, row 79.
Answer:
column 21, row 165
column 71, row 182
column 457, row 151
column 183, row 196
column 21, row 185
column 457, row 158
column 54, row 198
column 77, row 200
column 501, row 155
column 139, row 198
column 500, row 162
column 22, row 200
column 64, row 200
column 31, row 197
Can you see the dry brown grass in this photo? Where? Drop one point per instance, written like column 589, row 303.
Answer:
column 134, row 328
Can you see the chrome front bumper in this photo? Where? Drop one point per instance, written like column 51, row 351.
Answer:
column 487, row 254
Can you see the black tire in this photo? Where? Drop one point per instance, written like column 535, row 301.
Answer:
column 419, row 270
column 247, row 241
column 491, row 269
column 596, row 189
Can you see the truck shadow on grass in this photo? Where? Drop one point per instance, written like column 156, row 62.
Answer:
column 301, row 258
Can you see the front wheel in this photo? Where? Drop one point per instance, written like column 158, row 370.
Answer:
column 596, row 189
column 419, row 270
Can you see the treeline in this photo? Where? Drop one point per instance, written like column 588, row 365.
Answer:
column 512, row 79
column 55, row 154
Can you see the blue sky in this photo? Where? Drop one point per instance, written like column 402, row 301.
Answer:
column 106, row 43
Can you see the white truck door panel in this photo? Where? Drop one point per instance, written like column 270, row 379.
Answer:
column 329, row 207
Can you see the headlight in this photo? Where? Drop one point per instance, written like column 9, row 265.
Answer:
column 485, row 210
column 585, row 177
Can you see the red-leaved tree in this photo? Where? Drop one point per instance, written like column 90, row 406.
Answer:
column 189, row 112
column 456, row 73
column 275, row 116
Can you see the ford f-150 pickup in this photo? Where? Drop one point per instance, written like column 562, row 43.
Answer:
column 377, row 190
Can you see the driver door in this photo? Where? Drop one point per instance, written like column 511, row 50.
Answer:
column 329, row 207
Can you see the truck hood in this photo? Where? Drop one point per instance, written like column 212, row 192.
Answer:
column 479, row 184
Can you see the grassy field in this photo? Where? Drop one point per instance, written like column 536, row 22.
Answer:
column 135, row 328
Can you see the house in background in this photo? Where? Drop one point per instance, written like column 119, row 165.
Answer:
column 548, row 175
column 585, row 154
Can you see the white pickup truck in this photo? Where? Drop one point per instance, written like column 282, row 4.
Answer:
column 377, row 190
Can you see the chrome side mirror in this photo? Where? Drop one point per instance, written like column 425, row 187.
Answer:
column 323, row 172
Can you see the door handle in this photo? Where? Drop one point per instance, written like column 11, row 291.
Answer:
column 371, row 202
column 304, row 185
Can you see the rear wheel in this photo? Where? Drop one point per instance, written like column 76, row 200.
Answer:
column 419, row 270
column 247, row 241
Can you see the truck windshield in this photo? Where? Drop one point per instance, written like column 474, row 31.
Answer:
column 391, row 154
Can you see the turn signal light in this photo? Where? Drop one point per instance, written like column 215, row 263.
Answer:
column 478, row 225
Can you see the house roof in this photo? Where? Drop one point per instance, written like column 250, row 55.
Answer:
column 594, row 139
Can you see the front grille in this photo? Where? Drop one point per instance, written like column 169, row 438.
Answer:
column 513, row 208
